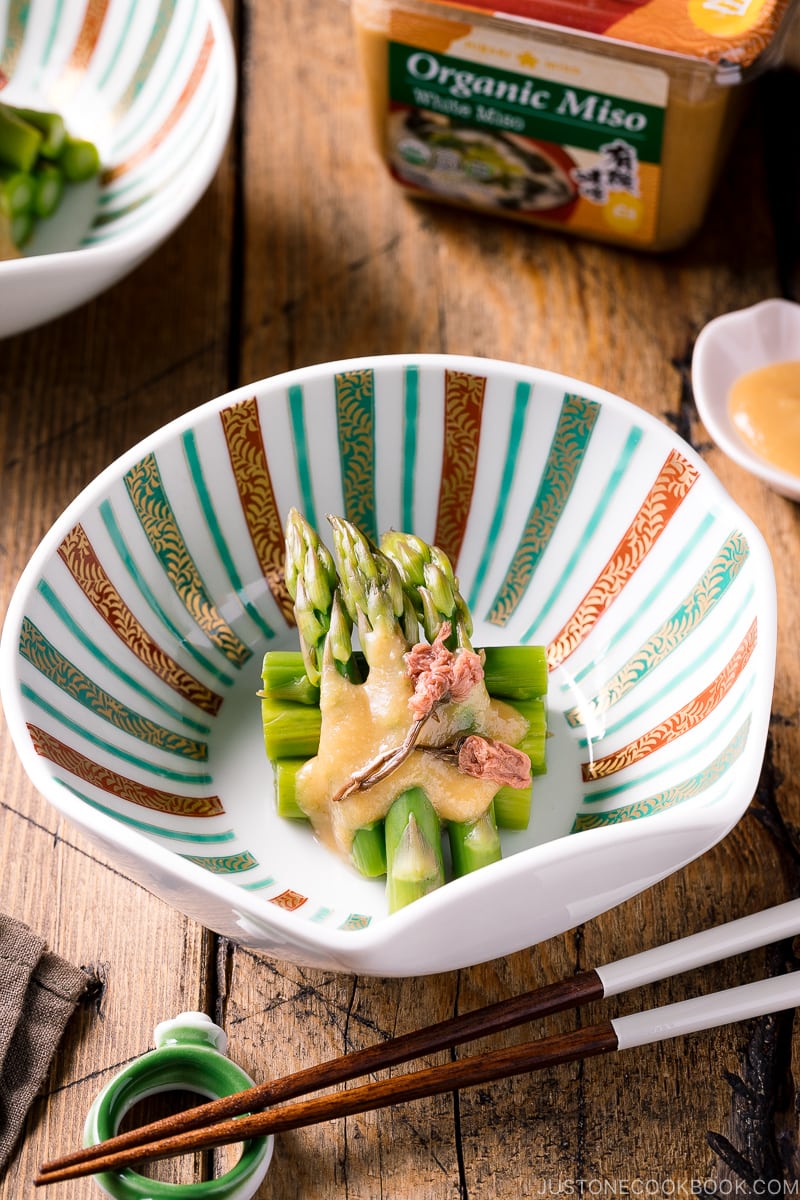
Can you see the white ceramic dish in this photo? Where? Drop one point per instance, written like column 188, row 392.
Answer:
column 153, row 85
column 131, row 653
column 726, row 348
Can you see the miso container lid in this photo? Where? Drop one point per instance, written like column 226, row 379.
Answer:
column 717, row 31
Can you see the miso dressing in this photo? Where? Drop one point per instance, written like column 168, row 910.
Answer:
column 764, row 405
column 361, row 720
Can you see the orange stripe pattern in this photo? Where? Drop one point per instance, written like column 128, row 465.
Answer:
column 192, row 84
column 670, row 488
column 680, row 722
column 80, row 557
column 120, row 785
column 241, row 425
column 463, row 402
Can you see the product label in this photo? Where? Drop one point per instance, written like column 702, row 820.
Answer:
column 502, row 122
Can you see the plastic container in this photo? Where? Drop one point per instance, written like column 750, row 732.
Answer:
column 608, row 119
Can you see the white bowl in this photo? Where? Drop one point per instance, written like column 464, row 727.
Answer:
column 131, row 653
column 728, row 347
column 155, row 90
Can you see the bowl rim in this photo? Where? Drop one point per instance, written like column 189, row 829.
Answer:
column 711, row 403
column 147, row 237
column 353, row 945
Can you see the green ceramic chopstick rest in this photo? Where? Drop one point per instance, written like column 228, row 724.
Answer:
column 190, row 1055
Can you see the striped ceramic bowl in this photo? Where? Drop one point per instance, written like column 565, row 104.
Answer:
column 132, row 650
column 153, row 83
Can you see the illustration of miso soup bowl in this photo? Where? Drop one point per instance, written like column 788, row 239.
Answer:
column 133, row 646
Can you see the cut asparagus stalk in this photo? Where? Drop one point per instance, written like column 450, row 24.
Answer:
column 8, row 247
column 19, row 140
column 290, row 730
column 17, row 191
column 22, row 228
column 284, row 771
column 474, row 844
column 369, row 850
column 414, row 862
column 284, row 677
column 78, row 159
column 369, row 843
column 512, row 807
column 512, row 673
column 50, row 125
column 534, row 741
column 48, row 182
column 515, row 672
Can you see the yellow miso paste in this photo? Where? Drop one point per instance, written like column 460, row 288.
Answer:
column 764, row 405
column 361, row 721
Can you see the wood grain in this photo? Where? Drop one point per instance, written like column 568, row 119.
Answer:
column 303, row 251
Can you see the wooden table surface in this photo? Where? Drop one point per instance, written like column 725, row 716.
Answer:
column 303, row 251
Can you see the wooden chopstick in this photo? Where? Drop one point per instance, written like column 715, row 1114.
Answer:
column 686, row 1016
column 211, row 1124
column 431, row 1081
column 482, row 1022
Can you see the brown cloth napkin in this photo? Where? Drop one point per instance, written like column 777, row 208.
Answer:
column 38, row 993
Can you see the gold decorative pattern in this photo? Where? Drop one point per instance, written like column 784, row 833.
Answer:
column 695, row 785
column 708, row 590
column 242, row 428
column 685, row 719
column 463, row 410
column 674, row 480
column 173, row 803
column 149, row 499
column 573, row 433
column 68, row 678
column 78, row 554
column 224, row 864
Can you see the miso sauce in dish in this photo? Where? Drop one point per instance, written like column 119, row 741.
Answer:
column 764, row 405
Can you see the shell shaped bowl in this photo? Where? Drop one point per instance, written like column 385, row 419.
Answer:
column 726, row 348
column 154, row 86
column 131, row 652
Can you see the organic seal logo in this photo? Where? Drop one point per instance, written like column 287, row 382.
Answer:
column 727, row 18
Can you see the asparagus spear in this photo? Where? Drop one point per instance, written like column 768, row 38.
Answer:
column 414, row 863
column 312, row 583
column 431, row 585
column 371, row 587
column 387, row 594
column 325, row 628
